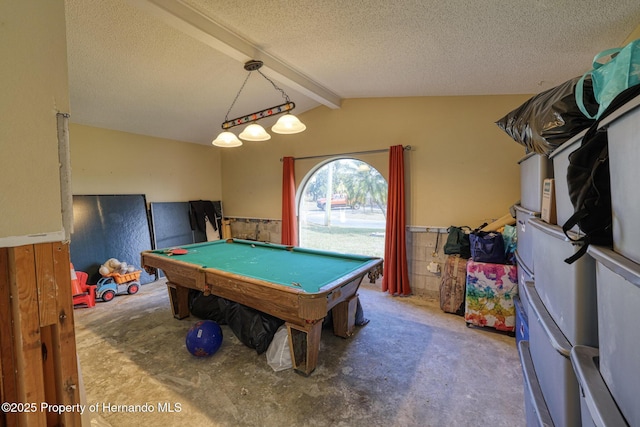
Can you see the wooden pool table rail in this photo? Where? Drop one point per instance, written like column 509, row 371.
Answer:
column 303, row 312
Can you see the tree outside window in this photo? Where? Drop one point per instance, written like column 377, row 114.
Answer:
column 343, row 208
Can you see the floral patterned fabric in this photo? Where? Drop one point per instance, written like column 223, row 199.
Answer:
column 489, row 295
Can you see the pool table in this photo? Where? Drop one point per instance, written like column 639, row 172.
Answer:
column 294, row 284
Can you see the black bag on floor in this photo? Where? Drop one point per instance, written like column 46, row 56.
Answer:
column 253, row 328
column 589, row 184
column 206, row 307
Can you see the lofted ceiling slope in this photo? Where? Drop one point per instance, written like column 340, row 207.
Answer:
column 171, row 68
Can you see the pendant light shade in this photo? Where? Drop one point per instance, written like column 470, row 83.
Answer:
column 288, row 124
column 254, row 132
column 227, row 139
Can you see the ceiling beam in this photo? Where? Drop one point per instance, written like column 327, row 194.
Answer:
column 203, row 28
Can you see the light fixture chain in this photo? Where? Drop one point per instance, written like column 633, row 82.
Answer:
column 226, row 117
column 284, row 95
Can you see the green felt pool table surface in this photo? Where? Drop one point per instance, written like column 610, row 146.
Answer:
column 307, row 269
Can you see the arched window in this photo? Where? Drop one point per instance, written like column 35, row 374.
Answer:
column 342, row 208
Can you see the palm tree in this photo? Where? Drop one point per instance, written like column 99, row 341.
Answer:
column 361, row 183
column 364, row 184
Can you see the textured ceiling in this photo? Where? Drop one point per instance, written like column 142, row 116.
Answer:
column 171, row 68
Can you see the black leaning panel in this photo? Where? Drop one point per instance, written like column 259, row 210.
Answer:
column 170, row 224
column 109, row 226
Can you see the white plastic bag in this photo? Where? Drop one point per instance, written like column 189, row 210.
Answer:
column 278, row 353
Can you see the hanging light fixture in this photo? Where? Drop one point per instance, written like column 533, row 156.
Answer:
column 254, row 132
column 227, row 139
column 287, row 124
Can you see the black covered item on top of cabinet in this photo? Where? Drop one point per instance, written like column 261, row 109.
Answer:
column 547, row 120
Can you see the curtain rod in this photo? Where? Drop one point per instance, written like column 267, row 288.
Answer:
column 406, row 148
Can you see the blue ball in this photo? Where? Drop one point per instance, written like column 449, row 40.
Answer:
column 204, row 338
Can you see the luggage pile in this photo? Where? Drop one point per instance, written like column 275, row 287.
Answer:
column 467, row 286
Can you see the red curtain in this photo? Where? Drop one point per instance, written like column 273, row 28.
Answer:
column 289, row 222
column 395, row 276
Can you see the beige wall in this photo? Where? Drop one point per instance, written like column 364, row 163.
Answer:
column 33, row 83
column 635, row 35
column 112, row 162
column 462, row 168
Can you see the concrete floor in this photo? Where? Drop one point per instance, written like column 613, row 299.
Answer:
column 412, row 365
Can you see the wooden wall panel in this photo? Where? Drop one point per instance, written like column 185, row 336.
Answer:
column 46, row 283
column 26, row 330
column 37, row 334
column 64, row 340
column 9, row 392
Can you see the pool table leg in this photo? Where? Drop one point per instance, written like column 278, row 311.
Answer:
column 179, row 298
column 344, row 317
column 304, row 342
